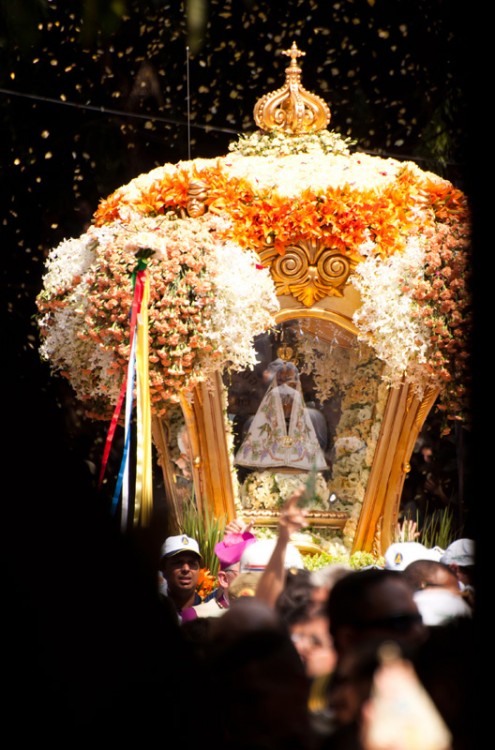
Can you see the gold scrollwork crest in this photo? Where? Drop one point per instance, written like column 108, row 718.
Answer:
column 309, row 270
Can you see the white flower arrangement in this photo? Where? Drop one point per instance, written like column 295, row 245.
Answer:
column 358, row 428
column 277, row 143
column 268, row 490
column 234, row 316
column 349, row 531
column 293, row 174
column 400, row 337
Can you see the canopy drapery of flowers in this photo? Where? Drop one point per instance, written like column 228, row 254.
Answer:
column 406, row 230
column 208, row 298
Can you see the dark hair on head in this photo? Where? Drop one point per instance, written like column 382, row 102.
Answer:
column 298, row 577
column 418, row 572
column 295, row 603
column 350, row 595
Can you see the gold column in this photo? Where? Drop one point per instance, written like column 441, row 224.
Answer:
column 212, row 473
column 403, row 420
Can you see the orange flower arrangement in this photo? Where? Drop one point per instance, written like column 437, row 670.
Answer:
column 206, row 583
column 341, row 215
column 390, row 218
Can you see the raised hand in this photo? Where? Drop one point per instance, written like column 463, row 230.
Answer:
column 293, row 517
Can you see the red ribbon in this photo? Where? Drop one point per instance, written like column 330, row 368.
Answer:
column 136, row 307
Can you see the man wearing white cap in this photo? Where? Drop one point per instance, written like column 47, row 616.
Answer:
column 400, row 554
column 180, row 565
column 460, row 557
column 459, row 553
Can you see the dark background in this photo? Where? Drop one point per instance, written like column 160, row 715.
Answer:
column 92, row 94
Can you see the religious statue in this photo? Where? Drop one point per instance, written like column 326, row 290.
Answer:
column 281, row 433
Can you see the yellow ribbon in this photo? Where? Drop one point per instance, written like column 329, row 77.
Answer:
column 143, row 502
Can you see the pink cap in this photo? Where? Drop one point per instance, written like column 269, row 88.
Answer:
column 230, row 549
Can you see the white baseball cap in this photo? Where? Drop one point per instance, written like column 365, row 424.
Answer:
column 460, row 552
column 256, row 556
column 180, row 543
column 400, row 554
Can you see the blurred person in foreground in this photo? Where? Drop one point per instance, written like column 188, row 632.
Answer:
column 252, row 665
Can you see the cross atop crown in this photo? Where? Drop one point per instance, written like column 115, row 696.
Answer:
column 293, row 53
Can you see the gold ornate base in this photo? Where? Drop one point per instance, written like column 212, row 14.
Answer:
column 316, row 518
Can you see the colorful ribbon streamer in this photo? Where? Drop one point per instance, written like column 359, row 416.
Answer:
column 143, row 502
column 137, row 374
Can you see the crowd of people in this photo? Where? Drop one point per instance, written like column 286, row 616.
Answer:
column 281, row 658
column 379, row 658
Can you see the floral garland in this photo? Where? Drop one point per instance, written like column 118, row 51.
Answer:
column 363, row 406
column 416, row 311
column 407, row 231
column 208, row 299
column 355, row 202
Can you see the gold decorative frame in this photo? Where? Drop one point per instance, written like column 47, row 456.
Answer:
column 403, row 418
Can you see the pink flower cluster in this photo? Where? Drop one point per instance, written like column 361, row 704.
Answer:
column 181, row 301
column 443, row 299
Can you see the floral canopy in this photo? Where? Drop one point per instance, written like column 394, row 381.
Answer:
column 204, row 224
